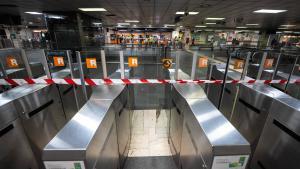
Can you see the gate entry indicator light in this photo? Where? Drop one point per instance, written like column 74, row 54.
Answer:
column 268, row 63
column 167, row 63
column 58, row 61
column 203, row 62
column 238, row 64
column 132, row 61
column 11, row 62
column 91, row 63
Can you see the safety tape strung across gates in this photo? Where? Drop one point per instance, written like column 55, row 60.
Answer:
column 96, row 82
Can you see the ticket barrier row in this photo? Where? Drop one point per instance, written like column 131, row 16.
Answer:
column 263, row 114
column 99, row 134
column 200, row 136
column 30, row 116
column 267, row 74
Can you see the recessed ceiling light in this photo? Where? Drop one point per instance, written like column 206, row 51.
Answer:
column 193, row 13
column 55, row 17
column 180, row 26
column 169, row 25
column 216, row 19
column 252, row 24
column 180, row 13
column 288, row 25
column 92, row 9
column 132, row 21
column 200, row 26
column 269, row 11
column 210, row 23
column 241, row 27
column 123, row 23
column 34, row 13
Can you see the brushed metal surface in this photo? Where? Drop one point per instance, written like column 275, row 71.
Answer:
column 252, row 109
column 8, row 112
column 91, row 135
column 206, row 133
column 15, row 151
column 123, row 133
column 108, row 92
column 42, row 117
column 190, row 91
column 279, row 145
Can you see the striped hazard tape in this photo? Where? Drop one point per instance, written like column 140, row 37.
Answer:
column 96, row 82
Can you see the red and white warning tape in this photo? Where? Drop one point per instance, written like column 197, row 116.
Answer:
column 96, row 82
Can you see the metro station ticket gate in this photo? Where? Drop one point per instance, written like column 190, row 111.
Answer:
column 262, row 114
column 99, row 134
column 33, row 114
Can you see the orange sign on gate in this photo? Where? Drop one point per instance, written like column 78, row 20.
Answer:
column 203, row 62
column 268, row 63
column 12, row 62
column 238, row 64
column 58, row 61
column 132, row 61
column 91, row 63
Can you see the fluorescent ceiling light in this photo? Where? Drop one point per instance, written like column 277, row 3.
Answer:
column 288, row 25
column 169, row 25
column 134, row 25
column 278, row 32
column 132, row 21
column 55, row 17
column 282, row 28
column 200, row 26
column 269, row 11
column 288, row 31
column 92, row 9
column 193, row 13
column 241, row 27
column 34, row 13
column 180, row 26
column 97, row 23
column 215, row 19
column 179, row 13
column 123, row 23
column 252, row 24
column 211, row 23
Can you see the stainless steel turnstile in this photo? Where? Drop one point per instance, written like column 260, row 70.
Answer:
column 252, row 108
column 208, row 139
column 91, row 138
column 230, row 90
column 40, row 113
column 279, row 144
column 15, row 151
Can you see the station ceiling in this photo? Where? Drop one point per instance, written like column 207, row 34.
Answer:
column 156, row 13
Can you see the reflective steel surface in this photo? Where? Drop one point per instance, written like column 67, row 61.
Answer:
column 252, row 109
column 206, row 132
column 279, row 146
column 92, row 134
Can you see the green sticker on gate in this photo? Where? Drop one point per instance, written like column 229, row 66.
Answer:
column 77, row 165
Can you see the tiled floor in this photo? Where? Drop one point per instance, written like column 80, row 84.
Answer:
column 149, row 148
